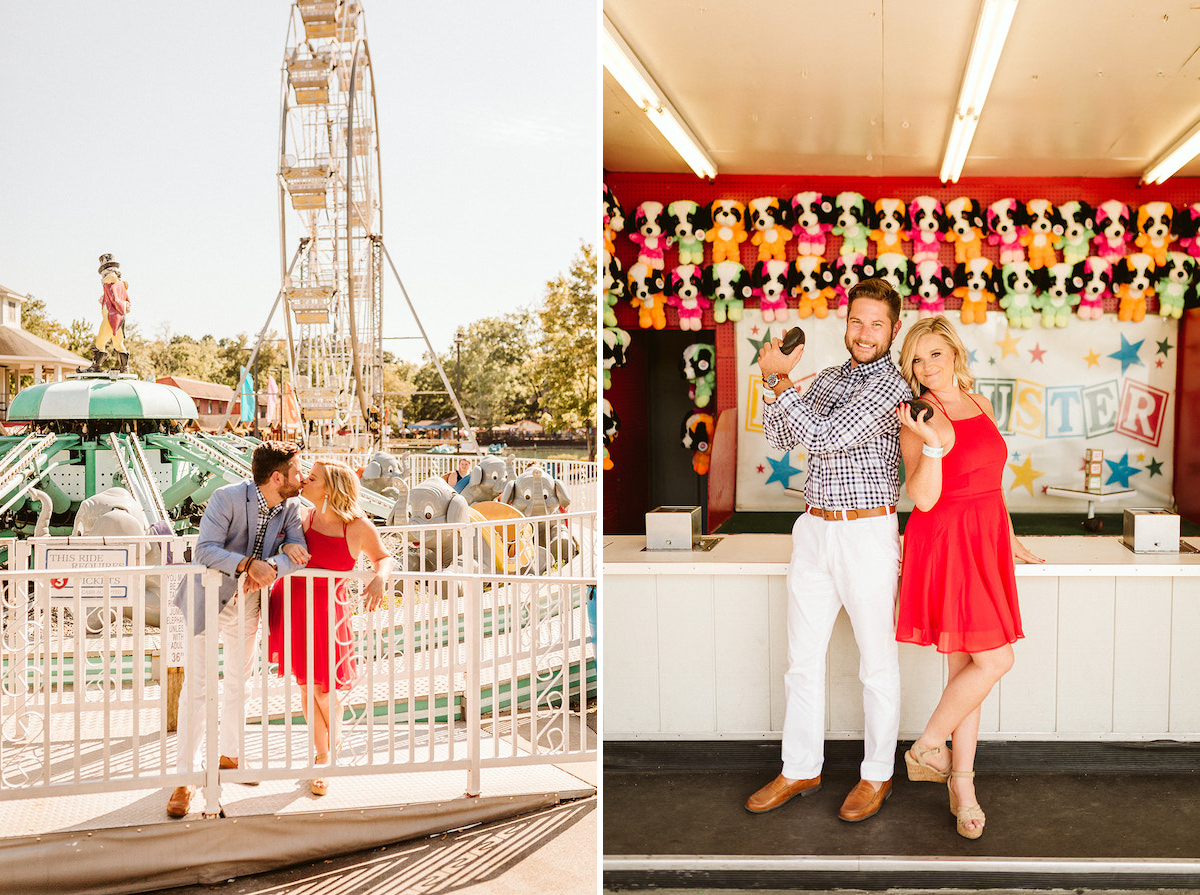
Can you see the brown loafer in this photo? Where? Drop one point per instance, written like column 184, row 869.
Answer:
column 231, row 764
column 181, row 801
column 864, row 800
column 779, row 791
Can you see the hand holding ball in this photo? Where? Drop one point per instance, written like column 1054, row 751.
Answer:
column 792, row 338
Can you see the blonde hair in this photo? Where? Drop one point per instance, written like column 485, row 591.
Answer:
column 942, row 328
column 341, row 489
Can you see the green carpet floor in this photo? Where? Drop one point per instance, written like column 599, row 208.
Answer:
column 1023, row 524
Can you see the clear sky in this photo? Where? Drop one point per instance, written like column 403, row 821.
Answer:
column 150, row 130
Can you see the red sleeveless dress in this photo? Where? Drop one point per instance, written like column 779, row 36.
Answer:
column 958, row 590
column 328, row 552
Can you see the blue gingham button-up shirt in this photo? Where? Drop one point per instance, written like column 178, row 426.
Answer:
column 846, row 421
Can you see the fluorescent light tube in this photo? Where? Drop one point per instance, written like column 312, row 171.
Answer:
column 624, row 66
column 1183, row 151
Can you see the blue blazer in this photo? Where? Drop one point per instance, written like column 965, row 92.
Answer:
column 227, row 535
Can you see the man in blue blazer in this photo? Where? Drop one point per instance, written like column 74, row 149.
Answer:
column 250, row 531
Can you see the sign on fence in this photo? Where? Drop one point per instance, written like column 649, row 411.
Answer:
column 90, row 586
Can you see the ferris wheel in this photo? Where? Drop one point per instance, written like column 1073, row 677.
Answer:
column 330, row 218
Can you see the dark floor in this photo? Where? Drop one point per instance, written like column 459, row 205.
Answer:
column 1023, row 524
column 1106, row 815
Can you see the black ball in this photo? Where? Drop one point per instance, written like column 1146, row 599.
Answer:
column 916, row 407
column 792, row 338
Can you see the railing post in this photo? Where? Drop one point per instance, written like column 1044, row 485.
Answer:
column 212, row 645
column 474, row 637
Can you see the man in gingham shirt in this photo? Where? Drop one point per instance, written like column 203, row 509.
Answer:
column 845, row 545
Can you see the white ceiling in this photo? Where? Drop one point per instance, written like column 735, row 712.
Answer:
column 1085, row 88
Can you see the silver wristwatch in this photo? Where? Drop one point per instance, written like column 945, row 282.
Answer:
column 772, row 380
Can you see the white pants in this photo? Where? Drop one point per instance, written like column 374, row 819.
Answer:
column 856, row 564
column 238, row 663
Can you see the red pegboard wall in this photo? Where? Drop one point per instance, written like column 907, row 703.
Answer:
column 631, row 189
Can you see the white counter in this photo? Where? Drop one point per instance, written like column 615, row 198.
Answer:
column 694, row 646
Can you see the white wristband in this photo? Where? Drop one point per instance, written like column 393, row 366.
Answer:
column 930, row 451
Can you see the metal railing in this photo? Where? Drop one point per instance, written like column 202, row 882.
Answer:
column 480, row 621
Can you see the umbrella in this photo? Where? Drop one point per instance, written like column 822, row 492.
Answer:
column 272, row 398
column 291, row 408
column 82, row 399
column 247, row 397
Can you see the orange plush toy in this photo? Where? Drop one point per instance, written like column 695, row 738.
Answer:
column 1133, row 277
column 646, row 287
column 728, row 230
column 771, row 221
column 964, row 228
column 1154, row 230
column 976, row 283
column 698, row 431
column 813, row 283
column 889, row 226
column 1043, row 226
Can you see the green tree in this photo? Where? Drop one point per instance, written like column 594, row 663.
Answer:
column 565, row 366
column 36, row 321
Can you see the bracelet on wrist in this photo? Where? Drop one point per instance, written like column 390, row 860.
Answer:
column 930, row 450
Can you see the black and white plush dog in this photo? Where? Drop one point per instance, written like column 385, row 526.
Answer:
column 728, row 284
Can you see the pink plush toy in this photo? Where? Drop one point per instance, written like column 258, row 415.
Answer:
column 848, row 271
column 650, row 234
column 683, row 293
column 1187, row 225
column 771, row 221
column 931, row 285
column 928, row 221
column 1095, row 275
column 1005, row 223
column 1113, row 221
column 1154, row 230
column 1043, row 225
column 812, row 283
column 964, row 228
column 770, row 282
column 813, row 216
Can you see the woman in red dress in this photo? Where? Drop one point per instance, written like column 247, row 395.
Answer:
column 958, row 590
column 337, row 532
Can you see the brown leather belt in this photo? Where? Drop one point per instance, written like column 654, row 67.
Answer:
column 837, row 515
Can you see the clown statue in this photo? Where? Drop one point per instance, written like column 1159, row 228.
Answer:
column 115, row 302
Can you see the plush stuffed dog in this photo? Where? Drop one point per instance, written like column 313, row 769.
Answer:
column 897, row 270
column 1095, row 277
column 848, row 271
column 1020, row 293
column 928, row 223
column 1174, row 285
column 728, row 284
column 964, row 228
column 685, row 294
column 1154, row 230
column 698, row 431
column 698, row 368
column 1043, row 224
column 646, row 287
column 889, row 226
column 851, row 223
column 612, row 425
column 687, row 224
column 1059, row 288
column 616, row 351
column 614, row 289
column 728, row 230
column 1006, row 225
column 976, row 283
column 1133, row 277
column 1112, row 225
column 771, row 221
column 650, row 234
column 770, row 280
column 1079, row 222
column 812, row 282
column 932, row 283
column 1187, row 226
column 813, row 215
column 614, row 219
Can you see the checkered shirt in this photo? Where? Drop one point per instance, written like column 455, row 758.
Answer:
column 846, row 421
column 265, row 515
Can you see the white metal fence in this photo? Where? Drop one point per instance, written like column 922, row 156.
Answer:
column 484, row 621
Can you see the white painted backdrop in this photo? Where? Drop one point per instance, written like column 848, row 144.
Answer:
column 1092, row 384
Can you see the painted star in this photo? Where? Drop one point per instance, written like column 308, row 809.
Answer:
column 758, row 345
column 991, row 362
column 1128, row 355
column 1024, row 474
column 1158, row 363
column 754, row 330
column 1092, row 358
column 1008, row 343
column 782, row 470
column 1141, row 458
column 1154, row 467
column 760, row 468
column 1036, row 352
column 971, row 357
column 1121, row 470
column 1164, row 347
